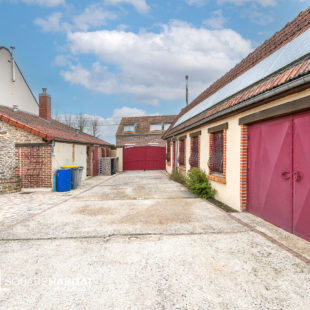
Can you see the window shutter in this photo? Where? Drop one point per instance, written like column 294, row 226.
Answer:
column 194, row 152
column 217, row 153
column 182, row 153
column 168, row 152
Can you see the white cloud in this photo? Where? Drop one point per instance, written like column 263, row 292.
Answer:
column 107, row 126
column 260, row 18
column 61, row 61
column 236, row 2
column 92, row 17
column 217, row 21
column 151, row 66
column 140, row 5
column 48, row 3
column 52, row 23
column 196, row 2
column 242, row 2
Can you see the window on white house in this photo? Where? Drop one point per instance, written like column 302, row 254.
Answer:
column 129, row 128
column 166, row 126
column 156, row 127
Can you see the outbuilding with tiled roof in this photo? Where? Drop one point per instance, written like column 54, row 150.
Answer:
column 33, row 146
column 249, row 131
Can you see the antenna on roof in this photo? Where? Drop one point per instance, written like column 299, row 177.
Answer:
column 186, row 78
column 13, row 63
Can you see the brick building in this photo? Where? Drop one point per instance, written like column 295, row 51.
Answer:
column 143, row 130
column 33, row 145
column 249, row 131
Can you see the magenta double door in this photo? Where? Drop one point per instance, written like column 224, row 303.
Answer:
column 279, row 172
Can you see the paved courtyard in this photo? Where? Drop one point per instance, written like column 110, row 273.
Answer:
column 140, row 241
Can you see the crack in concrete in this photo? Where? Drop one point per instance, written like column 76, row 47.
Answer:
column 132, row 235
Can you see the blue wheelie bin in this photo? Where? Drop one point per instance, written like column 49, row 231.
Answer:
column 63, row 183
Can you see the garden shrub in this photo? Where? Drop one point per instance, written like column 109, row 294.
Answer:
column 198, row 184
column 178, row 176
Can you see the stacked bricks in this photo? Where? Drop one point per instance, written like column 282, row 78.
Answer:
column 10, row 185
column 34, row 166
column 243, row 166
column 9, row 135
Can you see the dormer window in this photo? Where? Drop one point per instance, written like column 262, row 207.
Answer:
column 129, row 128
column 156, row 127
column 166, row 125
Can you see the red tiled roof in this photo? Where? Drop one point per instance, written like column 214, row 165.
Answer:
column 292, row 30
column 48, row 130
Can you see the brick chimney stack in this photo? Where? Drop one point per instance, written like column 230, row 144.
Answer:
column 45, row 105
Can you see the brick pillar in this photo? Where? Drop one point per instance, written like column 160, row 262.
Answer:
column 243, row 167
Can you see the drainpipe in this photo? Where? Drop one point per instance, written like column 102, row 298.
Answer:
column 53, row 146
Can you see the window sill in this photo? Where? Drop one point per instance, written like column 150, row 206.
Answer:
column 182, row 168
column 168, row 163
column 215, row 178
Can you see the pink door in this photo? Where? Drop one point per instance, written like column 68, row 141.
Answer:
column 301, row 176
column 145, row 158
column 270, row 171
column 279, row 172
column 155, row 158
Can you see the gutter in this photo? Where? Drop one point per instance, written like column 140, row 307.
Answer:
column 80, row 142
column 245, row 104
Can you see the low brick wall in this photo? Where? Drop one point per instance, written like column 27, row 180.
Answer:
column 9, row 136
column 11, row 185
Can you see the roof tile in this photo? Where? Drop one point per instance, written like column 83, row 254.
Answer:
column 48, row 130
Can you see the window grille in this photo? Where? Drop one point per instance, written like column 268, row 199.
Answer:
column 217, row 153
column 168, row 152
column 194, row 158
column 182, row 153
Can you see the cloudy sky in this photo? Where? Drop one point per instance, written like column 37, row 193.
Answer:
column 114, row 58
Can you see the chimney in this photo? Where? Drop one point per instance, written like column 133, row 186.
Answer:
column 45, row 105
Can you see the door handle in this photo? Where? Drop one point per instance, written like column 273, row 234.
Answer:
column 297, row 176
column 286, row 175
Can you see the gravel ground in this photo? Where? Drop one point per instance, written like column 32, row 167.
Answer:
column 141, row 241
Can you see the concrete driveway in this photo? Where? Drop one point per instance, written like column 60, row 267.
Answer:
column 140, row 241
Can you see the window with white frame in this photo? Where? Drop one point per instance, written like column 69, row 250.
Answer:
column 129, row 128
column 156, row 127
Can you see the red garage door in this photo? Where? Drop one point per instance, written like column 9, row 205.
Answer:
column 279, row 172
column 145, row 158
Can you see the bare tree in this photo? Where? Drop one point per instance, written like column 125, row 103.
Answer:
column 68, row 120
column 57, row 117
column 81, row 122
column 94, row 123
